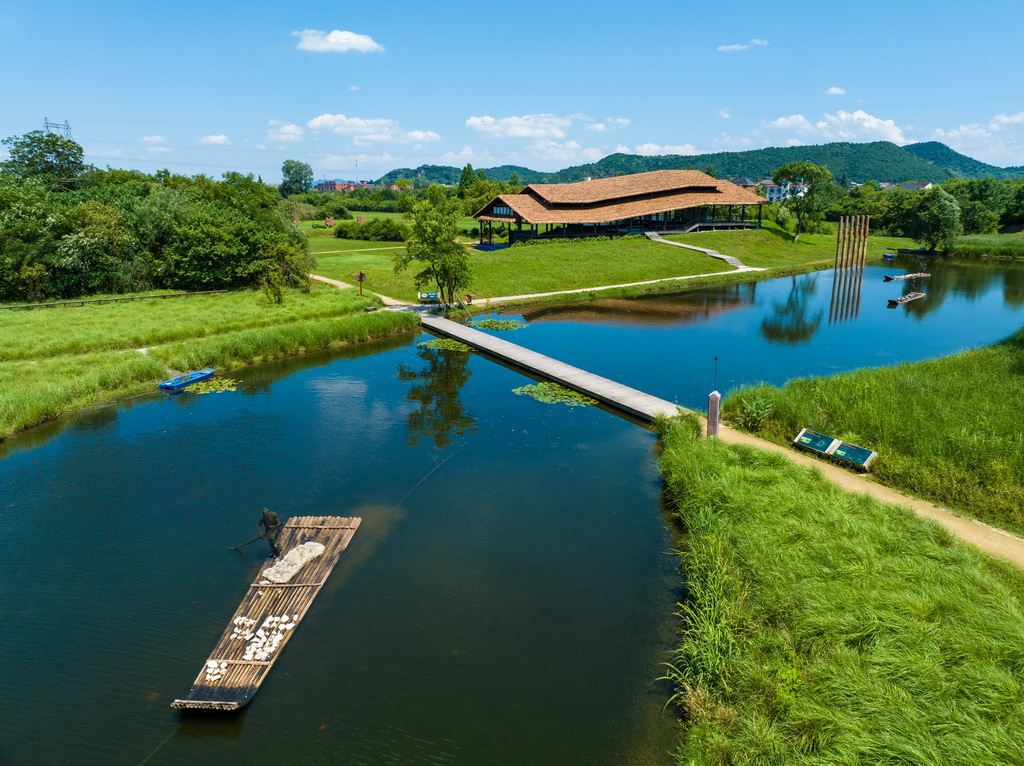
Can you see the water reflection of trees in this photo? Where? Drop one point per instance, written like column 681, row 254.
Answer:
column 440, row 413
column 970, row 280
column 791, row 322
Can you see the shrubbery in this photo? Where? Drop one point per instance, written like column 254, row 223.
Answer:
column 118, row 231
column 379, row 230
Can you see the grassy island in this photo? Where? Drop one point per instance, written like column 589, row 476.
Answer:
column 822, row 627
column 58, row 359
column 945, row 429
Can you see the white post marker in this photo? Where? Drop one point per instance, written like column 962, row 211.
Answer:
column 714, row 412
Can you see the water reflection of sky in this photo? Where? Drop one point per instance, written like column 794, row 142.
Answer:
column 783, row 328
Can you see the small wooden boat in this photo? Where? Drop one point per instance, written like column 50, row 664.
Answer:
column 920, row 275
column 905, row 299
column 183, row 381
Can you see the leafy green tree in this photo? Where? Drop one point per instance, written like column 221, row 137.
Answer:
column 813, row 202
column 55, row 160
column 434, row 222
column 515, row 185
column 934, row 219
column 296, row 177
column 466, row 180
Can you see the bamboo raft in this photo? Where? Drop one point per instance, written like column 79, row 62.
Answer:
column 267, row 617
column 905, row 299
column 920, row 275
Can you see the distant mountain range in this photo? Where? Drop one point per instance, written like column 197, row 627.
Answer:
column 877, row 161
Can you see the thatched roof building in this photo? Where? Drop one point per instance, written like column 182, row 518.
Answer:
column 662, row 200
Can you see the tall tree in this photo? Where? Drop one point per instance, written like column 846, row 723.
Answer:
column 296, row 177
column 54, row 160
column 466, row 180
column 435, row 219
column 934, row 219
column 809, row 203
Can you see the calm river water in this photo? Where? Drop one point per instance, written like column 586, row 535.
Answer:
column 508, row 598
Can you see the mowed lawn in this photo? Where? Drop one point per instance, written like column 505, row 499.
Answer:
column 771, row 246
column 533, row 269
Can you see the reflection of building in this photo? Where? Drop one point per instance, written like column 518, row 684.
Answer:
column 683, row 308
column 661, row 200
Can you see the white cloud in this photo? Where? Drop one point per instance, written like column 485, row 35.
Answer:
column 1000, row 121
column 740, row 46
column 366, row 131
column 724, row 114
column 422, row 135
column 841, row 126
column 283, row 132
column 154, row 139
column 353, row 87
column 337, row 41
column 527, row 126
column 220, row 138
column 158, row 149
column 652, row 150
column 467, row 155
column 834, row 91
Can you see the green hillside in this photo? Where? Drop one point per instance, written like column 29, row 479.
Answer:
column 879, row 161
column 958, row 164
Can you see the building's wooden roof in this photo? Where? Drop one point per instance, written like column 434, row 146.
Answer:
column 614, row 199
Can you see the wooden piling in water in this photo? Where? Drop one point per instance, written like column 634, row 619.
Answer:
column 267, row 617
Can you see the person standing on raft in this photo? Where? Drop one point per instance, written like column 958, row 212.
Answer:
column 270, row 528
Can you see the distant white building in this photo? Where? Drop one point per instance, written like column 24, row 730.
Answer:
column 777, row 192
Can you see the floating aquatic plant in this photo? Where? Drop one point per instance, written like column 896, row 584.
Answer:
column 552, row 393
column 444, row 344
column 500, row 324
column 214, row 386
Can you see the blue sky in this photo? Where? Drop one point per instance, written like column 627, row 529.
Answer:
column 356, row 89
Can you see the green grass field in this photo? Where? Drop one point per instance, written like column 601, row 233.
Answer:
column 41, row 333
column 947, row 429
column 999, row 245
column 772, row 247
column 536, row 269
column 823, row 627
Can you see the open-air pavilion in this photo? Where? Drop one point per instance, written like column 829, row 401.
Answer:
column 677, row 201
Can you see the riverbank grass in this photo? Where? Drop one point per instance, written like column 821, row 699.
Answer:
column 827, row 627
column 59, row 359
column 946, row 429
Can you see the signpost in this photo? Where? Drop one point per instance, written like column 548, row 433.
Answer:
column 329, row 221
column 360, row 278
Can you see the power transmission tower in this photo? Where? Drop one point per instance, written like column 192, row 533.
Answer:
column 61, row 128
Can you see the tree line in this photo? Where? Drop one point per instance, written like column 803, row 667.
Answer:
column 69, row 229
column 934, row 217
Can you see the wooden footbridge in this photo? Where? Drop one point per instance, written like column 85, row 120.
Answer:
column 267, row 617
column 636, row 403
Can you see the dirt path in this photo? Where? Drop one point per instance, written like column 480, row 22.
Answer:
column 982, row 536
column 387, row 301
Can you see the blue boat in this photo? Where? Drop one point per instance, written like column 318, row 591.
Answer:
column 183, row 381
column 889, row 256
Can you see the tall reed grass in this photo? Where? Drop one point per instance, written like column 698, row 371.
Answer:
column 822, row 627
column 33, row 392
column 233, row 349
column 981, row 245
column 40, row 333
column 948, row 429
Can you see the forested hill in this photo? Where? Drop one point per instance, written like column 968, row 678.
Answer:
column 958, row 164
column 878, row 161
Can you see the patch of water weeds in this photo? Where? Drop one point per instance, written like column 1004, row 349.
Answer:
column 444, row 344
column 552, row 393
